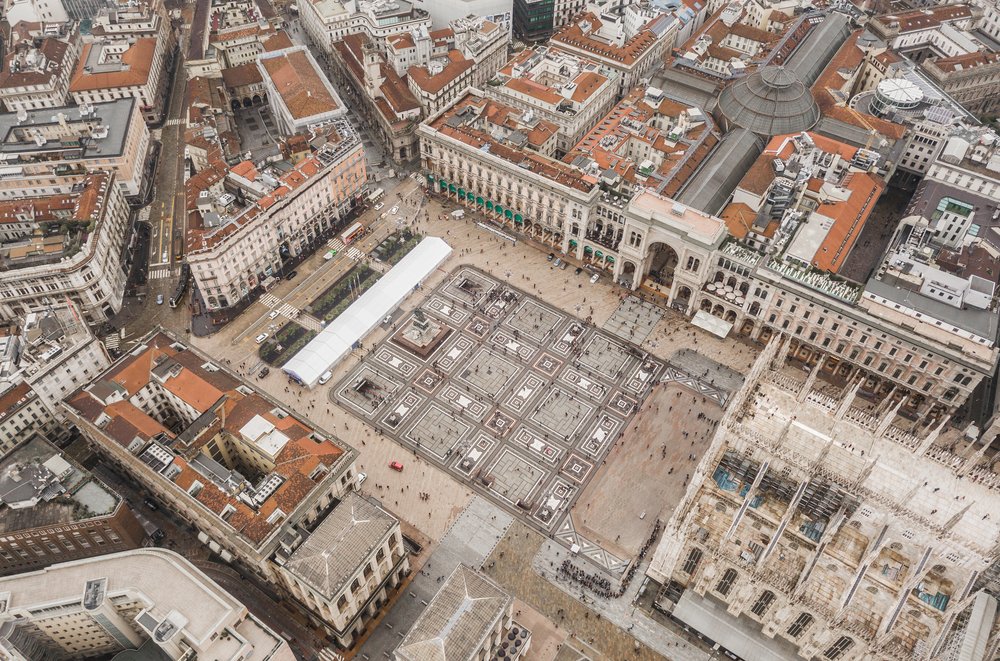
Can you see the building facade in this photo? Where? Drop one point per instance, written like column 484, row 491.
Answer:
column 50, row 150
column 348, row 567
column 150, row 600
column 800, row 533
column 38, row 76
column 84, row 263
column 53, row 510
column 233, row 248
column 246, row 473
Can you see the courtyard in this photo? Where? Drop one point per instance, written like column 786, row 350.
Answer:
column 510, row 395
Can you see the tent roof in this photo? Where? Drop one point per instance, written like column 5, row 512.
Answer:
column 335, row 341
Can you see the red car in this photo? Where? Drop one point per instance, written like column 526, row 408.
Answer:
column 396, row 466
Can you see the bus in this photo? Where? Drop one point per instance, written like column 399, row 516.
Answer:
column 352, row 232
column 376, row 195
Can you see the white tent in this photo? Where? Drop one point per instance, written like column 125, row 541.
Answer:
column 712, row 324
column 335, row 341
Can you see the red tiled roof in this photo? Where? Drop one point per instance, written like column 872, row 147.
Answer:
column 137, row 62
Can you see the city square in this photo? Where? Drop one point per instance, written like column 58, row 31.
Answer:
column 517, row 399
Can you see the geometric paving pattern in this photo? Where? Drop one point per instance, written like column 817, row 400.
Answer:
column 672, row 374
column 520, row 401
column 568, row 535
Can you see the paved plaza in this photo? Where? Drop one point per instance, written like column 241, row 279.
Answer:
column 515, row 398
column 634, row 319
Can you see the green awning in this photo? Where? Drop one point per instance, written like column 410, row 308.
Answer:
column 479, row 200
column 572, row 243
column 430, row 178
column 451, row 187
column 518, row 218
column 489, row 205
column 443, row 184
column 498, row 209
column 599, row 254
column 461, row 191
column 508, row 213
column 587, row 250
column 611, row 260
column 470, row 195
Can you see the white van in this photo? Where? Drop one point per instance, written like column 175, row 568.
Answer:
column 325, row 377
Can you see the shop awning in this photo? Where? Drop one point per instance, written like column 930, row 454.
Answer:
column 461, row 191
column 572, row 243
column 587, row 250
column 611, row 260
column 479, row 200
column 508, row 213
column 498, row 209
column 489, row 205
column 470, row 196
column 599, row 254
column 430, row 178
column 518, row 218
column 451, row 187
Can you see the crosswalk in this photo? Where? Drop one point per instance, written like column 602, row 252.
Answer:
column 327, row 654
column 160, row 272
column 335, row 244
column 355, row 254
column 284, row 309
column 173, row 122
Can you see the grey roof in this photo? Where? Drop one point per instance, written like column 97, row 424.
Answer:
column 816, row 50
column 711, row 186
column 458, row 619
column 770, row 101
column 335, row 551
column 981, row 322
column 114, row 115
column 687, row 87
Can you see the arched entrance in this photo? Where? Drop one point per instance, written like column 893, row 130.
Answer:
column 247, row 103
column 683, row 296
column 235, row 103
column 256, row 99
column 662, row 262
column 627, row 278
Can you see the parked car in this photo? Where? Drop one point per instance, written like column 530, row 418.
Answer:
column 562, row 267
column 291, row 275
column 361, row 479
column 557, row 263
column 260, row 338
column 159, row 299
column 388, row 319
column 264, row 371
column 579, row 270
column 379, row 206
column 394, row 210
column 151, row 504
column 272, row 314
column 325, row 376
column 396, row 466
column 551, row 256
column 594, row 278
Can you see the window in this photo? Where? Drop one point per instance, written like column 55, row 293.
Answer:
column 837, row 650
column 764, row 602
column 691, row 564
column 726, row 584
column 800, row 624
column 342, row 603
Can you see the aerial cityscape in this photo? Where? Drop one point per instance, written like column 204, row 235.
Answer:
column 500, row 330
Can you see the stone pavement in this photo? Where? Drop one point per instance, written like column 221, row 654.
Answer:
column 511, row 565
column 708, row 370
column 518, row 399
column 470, row 540
column 621, row 611
column 634, row 319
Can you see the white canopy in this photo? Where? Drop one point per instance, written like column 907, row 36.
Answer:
column 712, row 324
column 335, row 341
